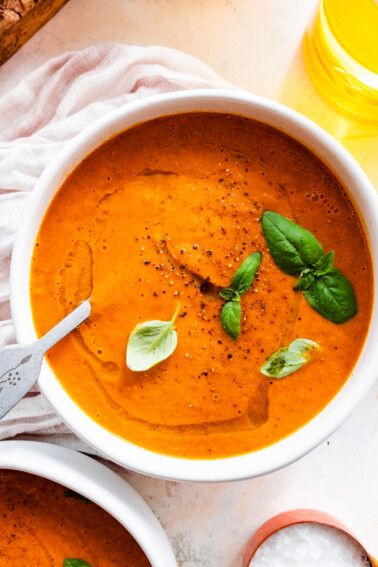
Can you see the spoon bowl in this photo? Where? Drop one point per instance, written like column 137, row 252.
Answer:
column 20, row 365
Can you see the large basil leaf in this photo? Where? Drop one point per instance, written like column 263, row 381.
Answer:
column 287, row 360
column 150, row 343
column 230, row 318
column 332, row 296
column 293, row 248
column 296, row 251
column 243, row 278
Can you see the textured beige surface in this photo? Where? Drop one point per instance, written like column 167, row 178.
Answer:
column 256, row 44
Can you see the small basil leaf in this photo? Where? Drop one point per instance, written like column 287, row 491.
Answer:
column 75, row 563
column 293, row 248
column 324, row 264
column 282, row 363
column 305, row 280
column 229, row 294
column 287, row 360
column 243, row 278
column 332, row 296
column 230, row 318
column 150, row 343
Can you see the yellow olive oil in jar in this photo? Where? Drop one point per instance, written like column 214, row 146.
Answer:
column 341, row 48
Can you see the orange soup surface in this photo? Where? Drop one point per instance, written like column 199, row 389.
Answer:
column 164, row 214
column 43, row 523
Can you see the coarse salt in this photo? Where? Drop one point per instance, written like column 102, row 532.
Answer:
column 312, row 545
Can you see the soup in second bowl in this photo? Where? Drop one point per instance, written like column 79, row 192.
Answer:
column 160, row 218
column 45, row 524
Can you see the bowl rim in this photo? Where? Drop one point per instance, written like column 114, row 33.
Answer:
column 123, row 452
column 97, row 482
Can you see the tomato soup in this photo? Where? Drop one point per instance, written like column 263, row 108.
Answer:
column 44, row 523
column 163, row 215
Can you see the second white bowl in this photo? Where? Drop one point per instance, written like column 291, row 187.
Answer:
column 96, row 482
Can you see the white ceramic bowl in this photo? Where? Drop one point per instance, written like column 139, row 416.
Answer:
column 98, row 483
column 137, row 458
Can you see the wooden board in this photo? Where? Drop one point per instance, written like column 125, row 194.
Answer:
column 20, row 19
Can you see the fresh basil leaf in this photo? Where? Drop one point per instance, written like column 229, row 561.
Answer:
column 229, row 294
column 305, row 280
column 287, row 360
column 324, row 264
column 332, row 296
column 230, row 318
column 243, row 278
column 282, row 363
column 150, row 343
column 293, row 248
column 75, row 563
column 241, row 282
column 76, row 495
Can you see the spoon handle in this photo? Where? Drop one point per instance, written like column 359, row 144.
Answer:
column 65, row 326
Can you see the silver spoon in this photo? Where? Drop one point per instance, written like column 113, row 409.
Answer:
column 20, row 365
